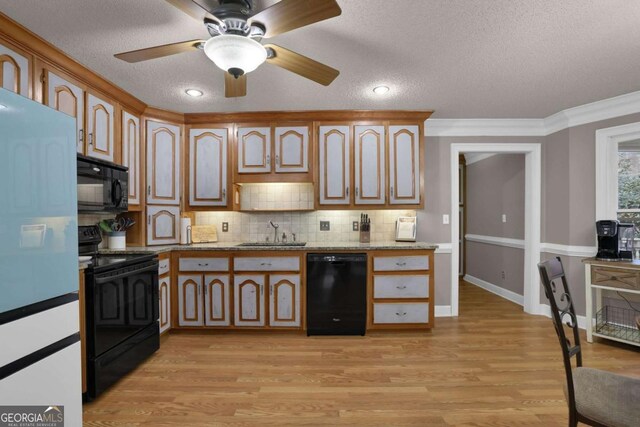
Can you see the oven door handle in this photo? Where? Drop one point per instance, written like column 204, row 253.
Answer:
column 99, row 280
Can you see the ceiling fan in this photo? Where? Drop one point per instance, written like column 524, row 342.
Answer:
column 236, row 31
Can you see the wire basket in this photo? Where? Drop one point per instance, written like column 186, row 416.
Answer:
column 618, row 322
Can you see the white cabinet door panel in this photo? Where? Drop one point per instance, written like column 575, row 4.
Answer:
column 100, row 128
column 163, row 163
column 164, row 289
column 216, row 300
column 208, row 167
column 335, row 169
column 248, row 291
column 369, row 165
column 404, row 165
column 190, row 300
column 284, row 300
column 163, row 225
column 131, row 154
column 292, row 149
column 254, row 150
column 69, row 99
column 14, row 71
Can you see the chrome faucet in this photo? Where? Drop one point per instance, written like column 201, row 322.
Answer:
column 276, row 239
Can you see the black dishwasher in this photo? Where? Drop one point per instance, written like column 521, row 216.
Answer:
column 336, row 294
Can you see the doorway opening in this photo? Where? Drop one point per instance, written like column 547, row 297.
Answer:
column 532, row 215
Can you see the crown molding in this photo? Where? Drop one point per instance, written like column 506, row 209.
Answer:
column 609, row 108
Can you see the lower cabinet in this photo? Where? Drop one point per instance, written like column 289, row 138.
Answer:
column 284, row 300
column 216, row 300
column 164, row 292
column 190, row 300
column 249, row 300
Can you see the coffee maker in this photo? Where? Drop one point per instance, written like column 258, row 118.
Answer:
column 615, row 240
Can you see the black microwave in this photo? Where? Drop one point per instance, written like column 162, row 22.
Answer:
column 102, row 186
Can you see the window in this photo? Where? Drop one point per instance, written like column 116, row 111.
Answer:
column 629, row 185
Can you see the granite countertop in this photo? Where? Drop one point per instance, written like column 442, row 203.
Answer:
column 310, row 246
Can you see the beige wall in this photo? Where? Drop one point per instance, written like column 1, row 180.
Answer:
column 495, row 186
column 568, row 195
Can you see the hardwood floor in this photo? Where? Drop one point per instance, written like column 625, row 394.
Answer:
column 492, row 366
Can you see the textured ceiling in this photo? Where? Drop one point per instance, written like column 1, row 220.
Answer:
column 461, row 58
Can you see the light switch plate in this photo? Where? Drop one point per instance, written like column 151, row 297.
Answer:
column 445, row 219
column 504, row 217
column 225, row 227
column 325, row 226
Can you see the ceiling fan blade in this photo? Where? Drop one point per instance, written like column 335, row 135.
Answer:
column 234, row 88
column 196, row 9
column 287, row 15
column 301, row 65
column 158, row 51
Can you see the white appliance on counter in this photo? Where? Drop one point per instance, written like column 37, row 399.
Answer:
column 40, row 369
column 406, row 227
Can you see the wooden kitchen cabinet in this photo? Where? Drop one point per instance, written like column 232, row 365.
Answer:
column 163, row 223
column 163, row 163
column 216, row 300
column 164, row 292
column 68, row 97
column 253, row 149
column 15, row 69
column 404, row 164
column 208, row 172
column 369, row 165
column 334, row 148
column 190, row 300
column 131, row 156
column 249, row 299
column 291, row 149
column 100, row 128
column 284, row 300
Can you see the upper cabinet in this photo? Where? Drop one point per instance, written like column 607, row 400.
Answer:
column 208, row 173
column 163, row 163
column 131, row 155
column 369, row 156
column 14, row 69
column 334, row 164
column 272, row 152
column 254, row 149
column 404, row 165
column 100, row 128
column 67, row 97
column 292, row 149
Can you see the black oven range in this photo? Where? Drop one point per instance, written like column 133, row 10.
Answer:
column 121, row 311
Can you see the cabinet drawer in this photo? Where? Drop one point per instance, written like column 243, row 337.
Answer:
column 266, row 264
column 204, row 264
column 163, row 266
column 404, row 286
column 401, row 263
column 615, row 277
column 400, row 313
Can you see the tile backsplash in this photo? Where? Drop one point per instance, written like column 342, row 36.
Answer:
column 254, row 226
column 289, row 196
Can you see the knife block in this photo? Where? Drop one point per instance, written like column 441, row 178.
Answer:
column 365, row 236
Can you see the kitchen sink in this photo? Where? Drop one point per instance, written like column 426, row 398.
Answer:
column 273, row 244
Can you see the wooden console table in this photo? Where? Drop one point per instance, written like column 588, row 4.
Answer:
column 614, row 323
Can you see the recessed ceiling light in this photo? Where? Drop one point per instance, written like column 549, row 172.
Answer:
column 2, row 107
column 380, row 90
column 193, row 92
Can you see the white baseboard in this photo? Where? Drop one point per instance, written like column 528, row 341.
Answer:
column 545, row 310
column 504, row 293
column 442, row 311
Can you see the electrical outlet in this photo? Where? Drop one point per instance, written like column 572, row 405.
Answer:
column 503, row 274
column 355, row 226
column 325, row 226
column 225, row 227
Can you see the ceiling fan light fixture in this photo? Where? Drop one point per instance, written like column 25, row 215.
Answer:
column 235, row 54
column 380, row 90
column 193, row 92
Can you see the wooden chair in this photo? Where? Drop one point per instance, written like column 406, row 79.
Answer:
column 595, row 397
